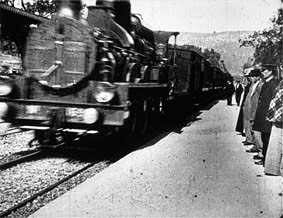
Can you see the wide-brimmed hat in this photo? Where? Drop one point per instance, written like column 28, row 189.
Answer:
column 271, row 67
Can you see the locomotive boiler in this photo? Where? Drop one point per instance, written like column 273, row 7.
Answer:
column 107, row 74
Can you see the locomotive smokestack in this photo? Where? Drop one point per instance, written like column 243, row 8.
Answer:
column 69, row 8
column 122, row 11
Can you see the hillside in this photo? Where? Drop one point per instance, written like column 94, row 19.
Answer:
column 225, row 43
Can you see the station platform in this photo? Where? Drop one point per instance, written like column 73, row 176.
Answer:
column 200, row 170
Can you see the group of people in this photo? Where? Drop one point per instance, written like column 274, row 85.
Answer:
column 260, row 118
column 230, row 89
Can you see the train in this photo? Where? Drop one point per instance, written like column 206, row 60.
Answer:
column 105, row 74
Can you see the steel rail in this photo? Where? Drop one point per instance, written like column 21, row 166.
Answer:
column 20, row 160
column 43, row 191
column 12, row 130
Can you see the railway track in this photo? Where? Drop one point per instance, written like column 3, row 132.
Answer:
column 12, row 130
column 31, row 156
column 17, row 191
column 44, row 190
column 30, row 192
column 15, row 144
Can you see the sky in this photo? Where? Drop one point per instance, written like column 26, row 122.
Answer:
column 205, row 16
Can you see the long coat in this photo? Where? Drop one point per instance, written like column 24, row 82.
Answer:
column 238, row 92
column 251, row 102
column 247, row 104
column 254, row 100
column 260, row 123
column 230, row 89
column 240, row 121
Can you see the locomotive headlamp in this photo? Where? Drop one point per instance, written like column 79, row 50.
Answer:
column 5, row 89
column 90, row 115
column 104, row 92
column 3, row 109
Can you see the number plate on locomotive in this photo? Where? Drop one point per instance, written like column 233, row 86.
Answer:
column 74, row 112
column 33, row 109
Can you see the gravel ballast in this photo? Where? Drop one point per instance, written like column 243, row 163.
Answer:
column 26, row 179
column 41, row 201
column 20, row 182
column 15, row 145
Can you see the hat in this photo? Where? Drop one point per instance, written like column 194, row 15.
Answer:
column 255, row 72
column 247, row 71
column 271, row 67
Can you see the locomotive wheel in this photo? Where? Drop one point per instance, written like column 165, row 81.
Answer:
column 135, row 127
column 142, row 119
column 124, row 134
column 46, row 137
column 128, row 130
column 41, row 136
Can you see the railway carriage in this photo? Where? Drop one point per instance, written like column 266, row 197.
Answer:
column 110, row 74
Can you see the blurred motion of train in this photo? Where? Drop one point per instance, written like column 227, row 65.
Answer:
column 107, row 74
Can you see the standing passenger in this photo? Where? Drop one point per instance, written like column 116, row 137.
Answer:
column 260, row 123
column 249, row 110
column 254, row 103
column 240, row 121
column 255, row 91
column 229, row 92
column 274, row 155
column 238, row 92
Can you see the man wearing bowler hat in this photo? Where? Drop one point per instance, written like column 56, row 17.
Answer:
column 246, row 84
column 249, row 108
column 229, row 91
column 253, row 103
column 260, row 123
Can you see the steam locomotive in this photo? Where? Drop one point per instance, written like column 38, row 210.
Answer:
column 108, row 74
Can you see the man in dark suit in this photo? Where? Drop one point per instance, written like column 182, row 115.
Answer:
column 229, row 92
column 238, row 92
column 260, row 123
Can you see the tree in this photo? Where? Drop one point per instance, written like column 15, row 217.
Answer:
column 268, row 43
column 39, row 7
column 212, row 56
column 8, row 2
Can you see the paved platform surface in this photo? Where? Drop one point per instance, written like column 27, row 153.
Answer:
column 200, row 171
